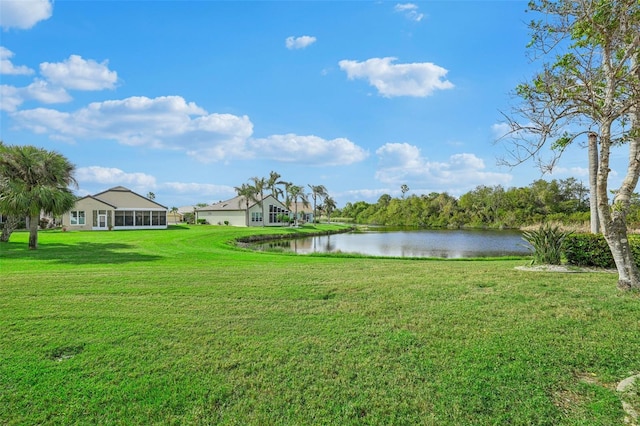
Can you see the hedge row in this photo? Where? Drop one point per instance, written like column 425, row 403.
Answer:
column 592, row 250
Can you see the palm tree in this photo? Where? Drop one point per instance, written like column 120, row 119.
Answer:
column 35, row 180
column 329, row 206
column 10, row 224
column 296, row 192
column 317, row 191
column 272, row 184
column 247, row 194
column 260, row 184
column 404, row 188
column 11, row 221
column 287, row 187
column 174, row 212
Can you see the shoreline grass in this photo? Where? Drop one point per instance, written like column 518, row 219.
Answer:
column 182, row 327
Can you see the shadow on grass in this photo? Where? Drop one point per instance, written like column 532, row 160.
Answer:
column 78, row 254
column 177, row 227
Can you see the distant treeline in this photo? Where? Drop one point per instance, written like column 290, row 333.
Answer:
column 565, row 201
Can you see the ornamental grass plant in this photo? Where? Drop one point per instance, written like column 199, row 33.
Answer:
column 546, row 244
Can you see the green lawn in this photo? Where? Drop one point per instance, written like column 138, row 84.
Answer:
column 179, row 327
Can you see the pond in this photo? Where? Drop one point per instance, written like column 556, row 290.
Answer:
column 410, row 243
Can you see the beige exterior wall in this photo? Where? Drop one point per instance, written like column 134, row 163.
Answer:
column 85, row 207
column 257, row 209
column 238, row 217
column 234, row 217
column 174, row 218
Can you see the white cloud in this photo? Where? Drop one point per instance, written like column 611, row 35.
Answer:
column 74, row 73
column 170, row 122
column 414, row 79
column 393, row 154
column 79, row 74
column 99, row 178
column 10, row 98
column 299, row 42
column 577, row 172
column 24, row 14
column 410, row 11
column 44, row 92
column 201, row 189
column 401, row 163
column 500, row 130
column 7, row 67
column 163, row 122
column 308, row 150
column 113, row 176
column 43, row 120
column 363, row 194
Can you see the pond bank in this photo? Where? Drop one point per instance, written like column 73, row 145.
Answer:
column 252, row 239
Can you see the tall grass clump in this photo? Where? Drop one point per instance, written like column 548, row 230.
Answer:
column 546, row 243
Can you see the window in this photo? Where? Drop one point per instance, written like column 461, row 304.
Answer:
column 123, row 218
column 128, row 218
column 146, row 219
column 118, row 218
column 158, row 218
column 276, row 213
column 256, row 216
column 140, row 218
column 77, row 218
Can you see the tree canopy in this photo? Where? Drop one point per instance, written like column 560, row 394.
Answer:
column 564, row 201
column 34, row 181
column 589, row 84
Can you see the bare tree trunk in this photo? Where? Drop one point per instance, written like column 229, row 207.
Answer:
column 9, row 226
column 34, row 221
column 616, row 236
column 593, row 182
column 613, row 218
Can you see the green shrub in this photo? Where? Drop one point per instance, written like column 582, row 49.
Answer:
column 588, row 250
column 547, row 242
column 593, row 250
column 202, row 222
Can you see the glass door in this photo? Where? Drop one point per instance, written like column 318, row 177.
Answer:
column 102, row 221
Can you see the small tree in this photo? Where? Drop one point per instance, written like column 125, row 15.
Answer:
column 273, row 184
column 297, row 192
column 329, row 206
column 34, row 180
column 592, row 83
column 259, row 185
column 247, row 194
column 404, row 188
column 174, row 212
column 317, row 191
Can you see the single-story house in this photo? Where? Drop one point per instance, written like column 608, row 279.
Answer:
column 234, row 212
column 115, row 208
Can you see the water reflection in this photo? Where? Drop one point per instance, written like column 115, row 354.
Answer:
column 419, row 243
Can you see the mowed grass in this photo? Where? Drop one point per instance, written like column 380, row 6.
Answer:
column 180, row 327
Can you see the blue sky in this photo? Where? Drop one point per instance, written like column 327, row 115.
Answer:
column 188, row 99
